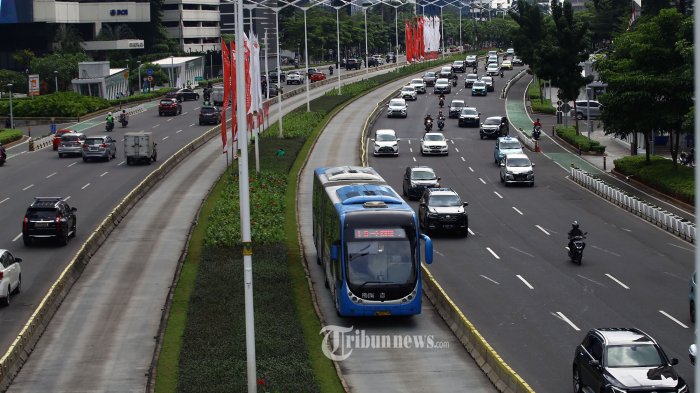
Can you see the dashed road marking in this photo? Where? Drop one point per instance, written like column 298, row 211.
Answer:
column 51, row 175
column 524, row 281
column 164, row 138
column 519, row 212
column 493, row 253
column 492, row 280
column 72, row 164
column 498, row 195
column 104, row 174
column 471, row 169
column 673, row 319
column 178, row 131
column 17, row 237
column 542, row 229
column 482, row 180
column 567, row 320
column 5, row 200
column 28, row 187
column 85, row 186
column 617, row 281
column 157, row 125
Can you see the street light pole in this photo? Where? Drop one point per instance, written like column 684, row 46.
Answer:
column 442, row 33
column 12, row 118
column 588, row 110
column 366, row 49
column 55, row 79
column 140, row 82
column 306, row 59
column 172, row 71
column 337, row 54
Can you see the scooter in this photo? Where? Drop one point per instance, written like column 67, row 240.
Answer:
column 442, row 102
column 441, row 124
column 428, row 125
column 536, row 132
column 330, row 70
column 124, row 121
column 3, row 156
column 109, row 126
column 454, row 82
column 576, row 253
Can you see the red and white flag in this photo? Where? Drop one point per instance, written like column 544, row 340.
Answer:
column 227, row 65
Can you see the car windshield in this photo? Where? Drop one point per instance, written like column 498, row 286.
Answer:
column 510, row 145
column 407, row 88
column 429, row 74
column 457, row 104
column 423, row 175
column 383, row 137
column 458, row 63
column 469, row 111
column 518, row 162
column 445, row 200
column 442, row 81
column 471, row 76
column 492, row 121
column 434, row 137
column 386, row 261
column 487, row 80
column 479, row 84
column 94, row 141
column 397, row 103
column 417, row 81
column 636, row 355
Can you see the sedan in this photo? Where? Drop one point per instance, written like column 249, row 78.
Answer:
column 71, row 144
column 456, row 107
column 101, row 147
column 211, row 114
column 470, row 79
column 169, row 106
column 295, row 77
column 10, row 276
column 517, row 61
column 493, row 69
column 408, row 93
column 442, row 86
column 429, row 78
column 433, row 143
column 275, row 76
column 188, row 94
column 57, row 137
column 489, row 82
column 507, row 65
column 317, row 76
column 459, row 66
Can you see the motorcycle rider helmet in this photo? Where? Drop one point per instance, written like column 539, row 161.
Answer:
column 124, row 111
column 574, row 225
column 109, row 113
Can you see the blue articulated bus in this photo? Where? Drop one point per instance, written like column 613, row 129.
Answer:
column 368, row 241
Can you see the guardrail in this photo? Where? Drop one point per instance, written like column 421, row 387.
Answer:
column 672, row 223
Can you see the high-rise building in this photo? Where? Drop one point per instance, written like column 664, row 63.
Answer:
column 194, row 23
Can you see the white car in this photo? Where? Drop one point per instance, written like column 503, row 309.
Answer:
column 408, row 93
column 442, row 86
column 471, row 61
column 517, row 168
column 489, row 82
column 492, row 59
column 418, row 85
column 295, row 77
column 397, row 107
column 434, row 143
column 493, row 69
column 10, row 276
column 386, row 143
column 492, row 53
column 510, row 52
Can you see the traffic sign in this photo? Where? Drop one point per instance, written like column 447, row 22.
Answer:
column 565, row 107
column 150, row 78
column 198, row 78
column 149, row 71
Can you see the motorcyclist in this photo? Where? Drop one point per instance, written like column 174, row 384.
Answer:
column 3, row 154
column 575, row 231
column 330, row 69
column 441, row 116
column 110, row 120
column 442, row 100
column 427, row 119
column 536, row 124
column 123, row 116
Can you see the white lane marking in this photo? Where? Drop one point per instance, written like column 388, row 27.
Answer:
column 17, row 237
column 184, row 113
column 470, row 169
column 121, row 163
column 470, row 231
column 28, row 187
column 410, row 149
column 524, row 281
column 414, row 159
column 72, row 164
column 191, row 124
column 409, row 141
column 482, row 180
column 519, row 212
column 196, row 108
column 673, row 319
column 456, row 150
column 617, row 281
column 5, row 200
column 171, row 119
column 567, row 320
column 626, row 230
column 166, row 137
column 463, row 160
column 439, row 253
column 522, row 252
column 51, row 175
column 66, row 198
column 104, row 174
column 178, row 131
column 493, row 253
column 591, row 280
column 157, row 125
column 85, row 186
column 681, row 247
column 542, row 229
column 493, row 281
column 606, row 251
column 497, row 194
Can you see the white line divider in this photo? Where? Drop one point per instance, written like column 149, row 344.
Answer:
column 617, row 281
column 567, row 320
column 667, row 315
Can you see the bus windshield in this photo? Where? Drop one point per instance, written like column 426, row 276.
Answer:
column 380, row 261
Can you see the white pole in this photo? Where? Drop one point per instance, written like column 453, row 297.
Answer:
column 396, row 32
column 256, row 132
column 306, row 71
column 460, row 28
column 12, row 117
column 245, row 204
column 337, row 31
column 279, row 73
column 442, row 33
column 366, row 50
column 267, row 71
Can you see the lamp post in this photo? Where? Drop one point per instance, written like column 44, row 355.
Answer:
column 172, row 71
column 396, row 25
column 306, row 51
column 55, row 79
column 12, row 118
column 337, row 31
column 140, row 82
column 588, row 110
column 211, row 62
column 364, row 8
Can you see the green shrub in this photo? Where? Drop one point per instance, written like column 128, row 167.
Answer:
column 660, row 173
column 10, row 135
column 543, row 107
column 579, row 141
column 142, row 96
column 62, row 104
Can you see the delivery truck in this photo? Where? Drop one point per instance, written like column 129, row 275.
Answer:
column 139, row 147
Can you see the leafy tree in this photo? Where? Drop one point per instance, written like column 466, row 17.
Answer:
column 607, row 18
column 160, row 76
column 18, row 79
column 68, row 39
column 65, row 63
column 115, row 32
column 24, row 57
column 531, row 30
column 650, row 79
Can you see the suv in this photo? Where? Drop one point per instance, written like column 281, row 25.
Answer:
column 469, row 117
column 386, row 143
column 458, row 66
column 210, row 114
column 397, row 107
column 470, row 79
column 442, row 208
column 71, row 144
column 505, row 145
column 456, row 107
column 471, row 61
column 429, row 78
column 57, row 137
column 493, row 127
column 169, row 106
column 353, row 64
column 624, row 360
column 416, row 179
column 49, row 217
column 442, row 86
column 517, row 168
column 582, row 109
column 101, row 147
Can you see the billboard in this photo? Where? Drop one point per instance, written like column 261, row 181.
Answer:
column 33, row 85
column 16, row 11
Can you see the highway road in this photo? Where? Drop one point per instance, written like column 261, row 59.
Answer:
column 511, row 275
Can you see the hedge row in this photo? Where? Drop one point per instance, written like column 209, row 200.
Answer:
column 142, row 96
column 660, row 173
column 62, row 104
column 10, row 135
column 579, row 141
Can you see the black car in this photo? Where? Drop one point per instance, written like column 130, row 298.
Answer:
column 353, row 64
column 372, row 62
column 274, row 77
column 275, row 90
column 493, row 127
column 456, row 107
column 443, row 209
column 209, row 115
column 459, row 66
column 469, row 117
column 183, row 95
column 49, row 217
column 624, row 360
column 416, row 179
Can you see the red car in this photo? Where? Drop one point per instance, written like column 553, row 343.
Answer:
column 57, row 137
column 317, row 76
column 169, row 106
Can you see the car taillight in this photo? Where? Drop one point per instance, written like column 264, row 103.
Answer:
column 1, row 276
column 25, row 224
column 58, row 222
column 85, row 146
column 104, row 145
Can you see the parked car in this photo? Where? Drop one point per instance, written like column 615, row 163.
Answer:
column 317, row 76
column 385, row 143
column 57, row 137
column 442, row 86
column 470, row 79
column 397, row 107
column 459, row 66
column 493, row 127
column 10, row 276
column 418, row 85
column 471, row 61
column 624, row 360
column 434, row 143
column 211, row 114
column 429, row 78
column 71, row 144
column 408, row 93
column 517, row 168
column 469, row 117
column 416, row 179
column 582, row 109
column 353, row 64
column 506, row 145
column 100, row 147
column 443, row 209
column 169, row 106
column 456, row 107
column 50, row 217
column 479, row 88
column 295, row 77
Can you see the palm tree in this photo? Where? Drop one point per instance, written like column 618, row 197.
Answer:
column 118, row 32
column 68, row 39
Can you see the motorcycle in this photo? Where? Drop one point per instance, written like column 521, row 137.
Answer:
column 536, row 132
column 576, row 252
column 454, row 82
column 124, row 120
column 330, row 70
column 109, row 126
column 687, row 158
column 3, row 156
column 441, row 124
column 428, row 125
column 442, row 102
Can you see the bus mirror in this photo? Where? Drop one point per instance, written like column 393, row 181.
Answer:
column 428, row 248
column 334, row 252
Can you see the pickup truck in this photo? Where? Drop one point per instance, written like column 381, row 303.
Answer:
column 10, row 276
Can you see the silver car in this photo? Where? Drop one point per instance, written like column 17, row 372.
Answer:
column 99, row 147
column 517, row 168
column 582, row 109
column 71, row 144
